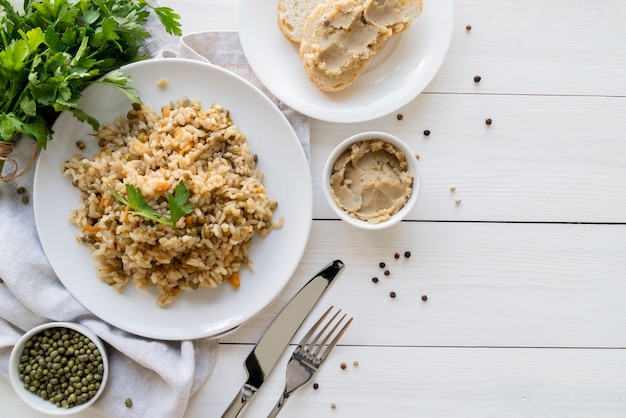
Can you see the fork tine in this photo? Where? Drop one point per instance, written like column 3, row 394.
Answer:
column 322, row 356
column 311, row 344
column 329, row 334
column 309, row 334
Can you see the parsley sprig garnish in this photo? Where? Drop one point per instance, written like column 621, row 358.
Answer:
column 53, row 49
column 176, row 202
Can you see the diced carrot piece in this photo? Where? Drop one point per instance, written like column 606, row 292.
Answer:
column 92, row 229
column 233, row 279
column 161, row 187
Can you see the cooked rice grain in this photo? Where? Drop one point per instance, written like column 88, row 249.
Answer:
column 204, row 149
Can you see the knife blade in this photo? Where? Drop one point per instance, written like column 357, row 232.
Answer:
column 272, row 344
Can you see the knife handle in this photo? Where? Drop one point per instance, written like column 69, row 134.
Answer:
column 239, row 404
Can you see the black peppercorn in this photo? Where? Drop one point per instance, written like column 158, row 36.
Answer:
column 488, row 121
column 396, row 255
column 392, row 294
column 407, row 254
column 387, row 273
column 424, row 298
column 426, row 132
column 375, row 279
column 400, row 116
column 477, row 78
column 468, row 27
column 316, row 386
column 381, row 265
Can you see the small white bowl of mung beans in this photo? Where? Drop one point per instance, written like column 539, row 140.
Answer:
column 59, row 368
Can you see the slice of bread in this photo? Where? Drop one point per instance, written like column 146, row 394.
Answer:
column 342, row 36
column 292, row 14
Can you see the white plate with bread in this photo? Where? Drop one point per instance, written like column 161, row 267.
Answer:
column 297, row 49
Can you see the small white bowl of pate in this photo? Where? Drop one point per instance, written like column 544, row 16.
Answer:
column 371, row 180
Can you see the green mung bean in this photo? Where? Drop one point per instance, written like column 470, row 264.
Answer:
column 62, row 366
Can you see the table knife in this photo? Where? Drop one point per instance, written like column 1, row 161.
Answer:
column 270, row 347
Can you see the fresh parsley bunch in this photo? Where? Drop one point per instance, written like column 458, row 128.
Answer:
column 53, row 49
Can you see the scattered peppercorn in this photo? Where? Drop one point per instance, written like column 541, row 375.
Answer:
column 387, row 273
column 396, row 255
column 477, row 78
column 468, row 27
column 488, row 121
column 381, row 265
column 20, row 190
column 333, row 406
column 25, row 200
column 375, row 279
column 343, row 366
column 316, row 386
column 128, row 402
column 424, row 298
column 407, row 254
column 392, row 294
column 427, row 132
column 400, row 116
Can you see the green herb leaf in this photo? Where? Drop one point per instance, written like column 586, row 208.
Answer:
column 53, row 49
column 170, row 20
column 118, row 80
column 176, row 202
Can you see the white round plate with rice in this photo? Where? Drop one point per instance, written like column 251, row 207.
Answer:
column 203, row 312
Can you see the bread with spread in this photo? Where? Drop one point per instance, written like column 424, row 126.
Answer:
column 292, row 14
column 341, row 36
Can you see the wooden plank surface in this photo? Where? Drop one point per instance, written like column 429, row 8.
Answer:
column 543, row 159
column 526, row 311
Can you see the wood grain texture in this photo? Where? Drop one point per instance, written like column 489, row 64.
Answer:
column 557, row 47
column 525, row 279
column 488, row 284
column 441, row 382
column 543, row 159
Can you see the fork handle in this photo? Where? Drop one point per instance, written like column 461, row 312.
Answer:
column 239, row 404
column 278, row 406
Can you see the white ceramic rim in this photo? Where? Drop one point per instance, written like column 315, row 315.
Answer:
column 33, row 400
column 413, row 168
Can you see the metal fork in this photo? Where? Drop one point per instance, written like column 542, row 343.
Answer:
column 309, row 356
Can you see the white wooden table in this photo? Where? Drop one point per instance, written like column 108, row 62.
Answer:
column 525, row 278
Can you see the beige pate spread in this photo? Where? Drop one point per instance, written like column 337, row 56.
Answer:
column 371, row 181
column 349, row 30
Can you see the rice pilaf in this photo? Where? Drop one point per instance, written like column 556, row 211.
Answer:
column 204, row 149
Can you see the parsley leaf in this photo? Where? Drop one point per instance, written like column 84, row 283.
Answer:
column 53, row 49
column 176, row 202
